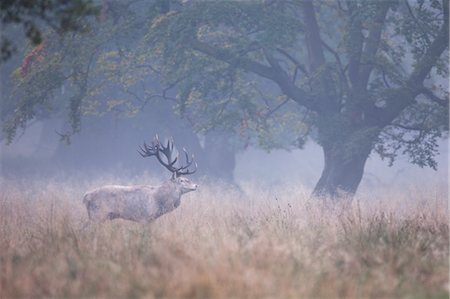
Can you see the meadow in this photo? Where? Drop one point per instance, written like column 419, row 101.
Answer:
column 223, row 243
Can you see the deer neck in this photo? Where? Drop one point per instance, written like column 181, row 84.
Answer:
column 174, row 188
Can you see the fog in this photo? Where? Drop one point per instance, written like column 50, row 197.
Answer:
column 94, row 153
column 242, row 124
column 224, row 149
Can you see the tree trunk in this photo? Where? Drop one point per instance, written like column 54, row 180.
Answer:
column 342, row 172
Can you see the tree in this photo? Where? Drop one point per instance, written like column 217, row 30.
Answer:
column 363, row 75
column 95, row 71
column 355, row 76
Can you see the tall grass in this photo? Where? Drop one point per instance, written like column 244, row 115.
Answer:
column 221, row 243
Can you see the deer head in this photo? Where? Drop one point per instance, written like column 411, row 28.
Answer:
column 158, row 150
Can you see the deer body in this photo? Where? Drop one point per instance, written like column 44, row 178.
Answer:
column 136, row 203
column 142, row 203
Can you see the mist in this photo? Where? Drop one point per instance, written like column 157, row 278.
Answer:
column 224, row 149
column 35, row 155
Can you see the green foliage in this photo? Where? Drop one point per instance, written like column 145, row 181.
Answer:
column 31, row 97
column 352, row 75
column 72, row 74
column 208, row 85
column 35, row 15
column 218, row 94
column 415, row 133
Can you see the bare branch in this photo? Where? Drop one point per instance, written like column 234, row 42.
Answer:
column 277, row 107
column 293, row 60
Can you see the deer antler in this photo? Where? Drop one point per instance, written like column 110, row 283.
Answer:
column 184, row 170
column 156, row 148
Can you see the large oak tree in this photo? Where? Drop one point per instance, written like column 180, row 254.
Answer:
column 355, row 76
column 360, row 76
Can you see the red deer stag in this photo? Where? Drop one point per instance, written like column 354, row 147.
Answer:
column 143, row 203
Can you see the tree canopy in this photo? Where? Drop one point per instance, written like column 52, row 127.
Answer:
column 364, row 74
column 355, row 76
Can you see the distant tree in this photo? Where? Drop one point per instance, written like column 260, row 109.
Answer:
column 101, row 70
column 355, row 76
column 74, row 73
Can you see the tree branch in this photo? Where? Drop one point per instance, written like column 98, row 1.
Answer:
column 317, row 58
column 339, row 62
column 434, row 51
column 354, row 42
column 313, row 40
column 430, row 95
column 372, row 45
column 402, row 97
column 240, row 62
column 409, row 128
column 274, row 109
column 293, row 60
column 274, row 73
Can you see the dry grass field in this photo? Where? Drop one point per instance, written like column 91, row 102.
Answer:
column 224, row 244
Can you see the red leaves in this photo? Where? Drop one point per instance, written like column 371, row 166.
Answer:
column 34, row 54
